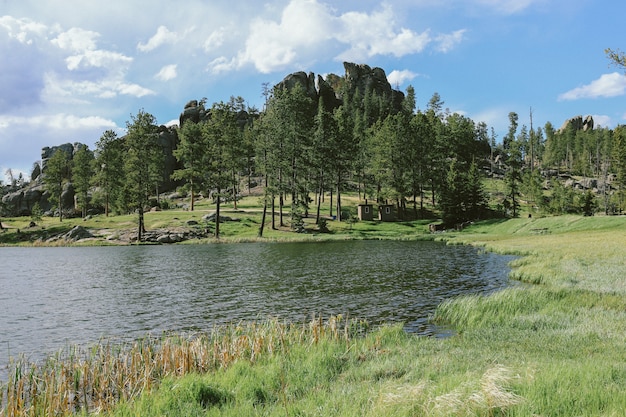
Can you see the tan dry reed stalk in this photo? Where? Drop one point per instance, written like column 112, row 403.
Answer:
column 95, row 380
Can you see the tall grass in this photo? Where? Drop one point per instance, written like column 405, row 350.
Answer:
column 96, row 379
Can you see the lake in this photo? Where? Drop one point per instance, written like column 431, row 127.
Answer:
column 53, row 297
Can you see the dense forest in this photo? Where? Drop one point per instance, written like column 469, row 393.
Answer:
column 312, row 145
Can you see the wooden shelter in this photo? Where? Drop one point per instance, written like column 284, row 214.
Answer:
column 386, row 213
column 366, row 211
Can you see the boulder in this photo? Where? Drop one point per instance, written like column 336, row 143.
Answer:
column 77, row 233
column 223, row 219
column 170, row 238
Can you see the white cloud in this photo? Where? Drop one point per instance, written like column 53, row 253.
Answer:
column 59, row 121
column 307, row 27
column 215, row 39
column 396, row 77
column 374, row 34
column 167, row 73
column 76, row 40
column 304, row 25
column 97, row 59
column 221, row 65
column 23, row 30
column 447, row 42
column 608, row 85
column 68, row 91
column 161, row 37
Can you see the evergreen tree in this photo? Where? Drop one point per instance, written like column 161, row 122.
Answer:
column 143, row 164
column 343, row 147
column 56, row 174
column 221, row 134
column 513, row 178
column 190, row 153
column 82, row 175
column 109, row 169
column 322, row 150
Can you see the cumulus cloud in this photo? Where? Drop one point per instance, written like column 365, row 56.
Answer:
column 167, row 73
column 307, row 27
column 608, row 85
column 162, row 36
column 76, row 40
column 375, row 34
column 25, row 31
column 396, row 77
column 273, row 45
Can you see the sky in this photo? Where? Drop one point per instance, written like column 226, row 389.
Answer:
column 72, row 69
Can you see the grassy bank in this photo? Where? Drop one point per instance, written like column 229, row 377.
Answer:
column 553, row 346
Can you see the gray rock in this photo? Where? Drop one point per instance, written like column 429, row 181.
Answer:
column 77, row 233
column 223, row 219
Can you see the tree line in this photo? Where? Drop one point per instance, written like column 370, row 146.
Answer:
column 304, row 150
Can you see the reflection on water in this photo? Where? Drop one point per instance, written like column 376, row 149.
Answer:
column 52, row 297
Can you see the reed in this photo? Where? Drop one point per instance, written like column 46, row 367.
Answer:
column 93, row 380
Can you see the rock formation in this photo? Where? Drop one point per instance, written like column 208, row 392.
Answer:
column 578, row 123
column 359, row 78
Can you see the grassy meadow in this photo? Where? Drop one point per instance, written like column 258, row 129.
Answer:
column 554, row 344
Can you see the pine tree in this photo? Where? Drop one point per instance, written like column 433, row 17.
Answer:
column 143, row 163
column 109, row 169
column 56, row 174
column 82, row 174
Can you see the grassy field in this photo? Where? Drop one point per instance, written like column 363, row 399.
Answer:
column 247, row 213
column 554, row 345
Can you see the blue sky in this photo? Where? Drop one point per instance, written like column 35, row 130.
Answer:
column 71, row 69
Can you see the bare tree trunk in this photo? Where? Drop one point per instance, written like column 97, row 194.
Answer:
column 281, row 203
column 217, row 214
column 260, row 234
column 193, row 196
column 339, row 197
column 273, row 212
column 60, row 206
column 140, row 226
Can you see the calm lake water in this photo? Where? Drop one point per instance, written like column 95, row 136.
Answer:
column 52, row 297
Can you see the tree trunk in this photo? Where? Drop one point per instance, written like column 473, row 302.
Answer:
column 235, row 190
column 140, row 226
column 260, row 234
column 339, row 197
column 217, row 214
column 60, row 206
column 193, row 196
column 273, row 212
column 331, row 202
column 281, row 203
